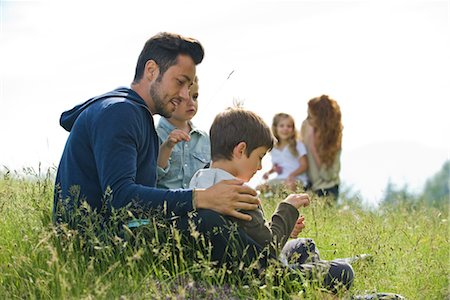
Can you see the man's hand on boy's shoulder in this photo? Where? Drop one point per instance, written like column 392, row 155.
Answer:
column 227, row 197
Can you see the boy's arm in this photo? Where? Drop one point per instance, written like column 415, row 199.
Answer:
column 257, row 228
column 282, row 223
column 165, row 149
column 277, row 231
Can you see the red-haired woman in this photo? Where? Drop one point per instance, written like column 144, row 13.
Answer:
column 322, row 134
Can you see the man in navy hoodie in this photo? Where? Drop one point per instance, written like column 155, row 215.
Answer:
column 110, row 157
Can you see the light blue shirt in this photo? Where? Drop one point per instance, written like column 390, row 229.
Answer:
column 186, row 157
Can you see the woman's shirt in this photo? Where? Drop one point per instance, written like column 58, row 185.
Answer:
column 323, row 177
column 186, row 157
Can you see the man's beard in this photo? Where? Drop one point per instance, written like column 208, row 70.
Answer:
column 160, row 107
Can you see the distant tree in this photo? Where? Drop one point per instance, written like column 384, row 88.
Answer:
column 347, row 195
column 436, row 191
column 394, row 195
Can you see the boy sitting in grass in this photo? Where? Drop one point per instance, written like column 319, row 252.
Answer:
column 239, row 141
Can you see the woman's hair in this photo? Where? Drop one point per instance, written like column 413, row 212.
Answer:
column 292, row 141
column 327, row 127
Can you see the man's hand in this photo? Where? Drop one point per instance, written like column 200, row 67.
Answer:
column 298, row 227
column 227, row 197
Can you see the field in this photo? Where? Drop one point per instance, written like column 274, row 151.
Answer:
column 409, row 244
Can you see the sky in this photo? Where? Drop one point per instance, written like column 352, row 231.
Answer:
column 387, row 64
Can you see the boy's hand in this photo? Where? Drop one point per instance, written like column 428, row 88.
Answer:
column 297, row 200
column 298, row 227
column 176, row 136
column 165, row 150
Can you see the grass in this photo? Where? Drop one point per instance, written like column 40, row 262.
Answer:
column 409, row 245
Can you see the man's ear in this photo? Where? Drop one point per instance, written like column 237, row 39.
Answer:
column 151, row 70
column 239, row 150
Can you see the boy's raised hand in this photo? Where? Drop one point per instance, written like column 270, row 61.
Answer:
column 297, row 200
column 176, row 136
column 165, row 150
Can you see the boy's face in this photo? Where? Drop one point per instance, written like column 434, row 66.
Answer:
column 248, row 166
column 187, row 109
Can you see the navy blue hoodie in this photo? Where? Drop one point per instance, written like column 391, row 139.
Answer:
column 113, row 146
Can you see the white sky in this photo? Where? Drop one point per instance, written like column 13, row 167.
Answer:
column 386, row 62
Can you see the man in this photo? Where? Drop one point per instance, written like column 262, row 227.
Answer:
column 110, row 158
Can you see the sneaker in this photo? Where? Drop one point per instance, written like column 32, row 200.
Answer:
column 378, row 296
column 359, row 257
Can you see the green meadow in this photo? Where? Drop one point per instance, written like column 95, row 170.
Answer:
column 408, row 243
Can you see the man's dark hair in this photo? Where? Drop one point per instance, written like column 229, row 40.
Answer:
column 164, row 49
column 236, row 125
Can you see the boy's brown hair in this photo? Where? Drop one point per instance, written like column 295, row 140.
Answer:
column 236, row 125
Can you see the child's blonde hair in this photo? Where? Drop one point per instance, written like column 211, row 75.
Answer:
column 292, row 140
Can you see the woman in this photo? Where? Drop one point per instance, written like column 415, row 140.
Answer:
column 322, row 134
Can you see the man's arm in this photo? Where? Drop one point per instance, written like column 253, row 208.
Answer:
column 116, row 157
column 120, row 140
column 227, row 197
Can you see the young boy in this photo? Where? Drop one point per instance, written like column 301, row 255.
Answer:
column 184, row 148
column 239, row 141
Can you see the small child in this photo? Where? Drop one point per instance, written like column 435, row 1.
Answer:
column 184, row 148
column 289, row 158
column 239, row 141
